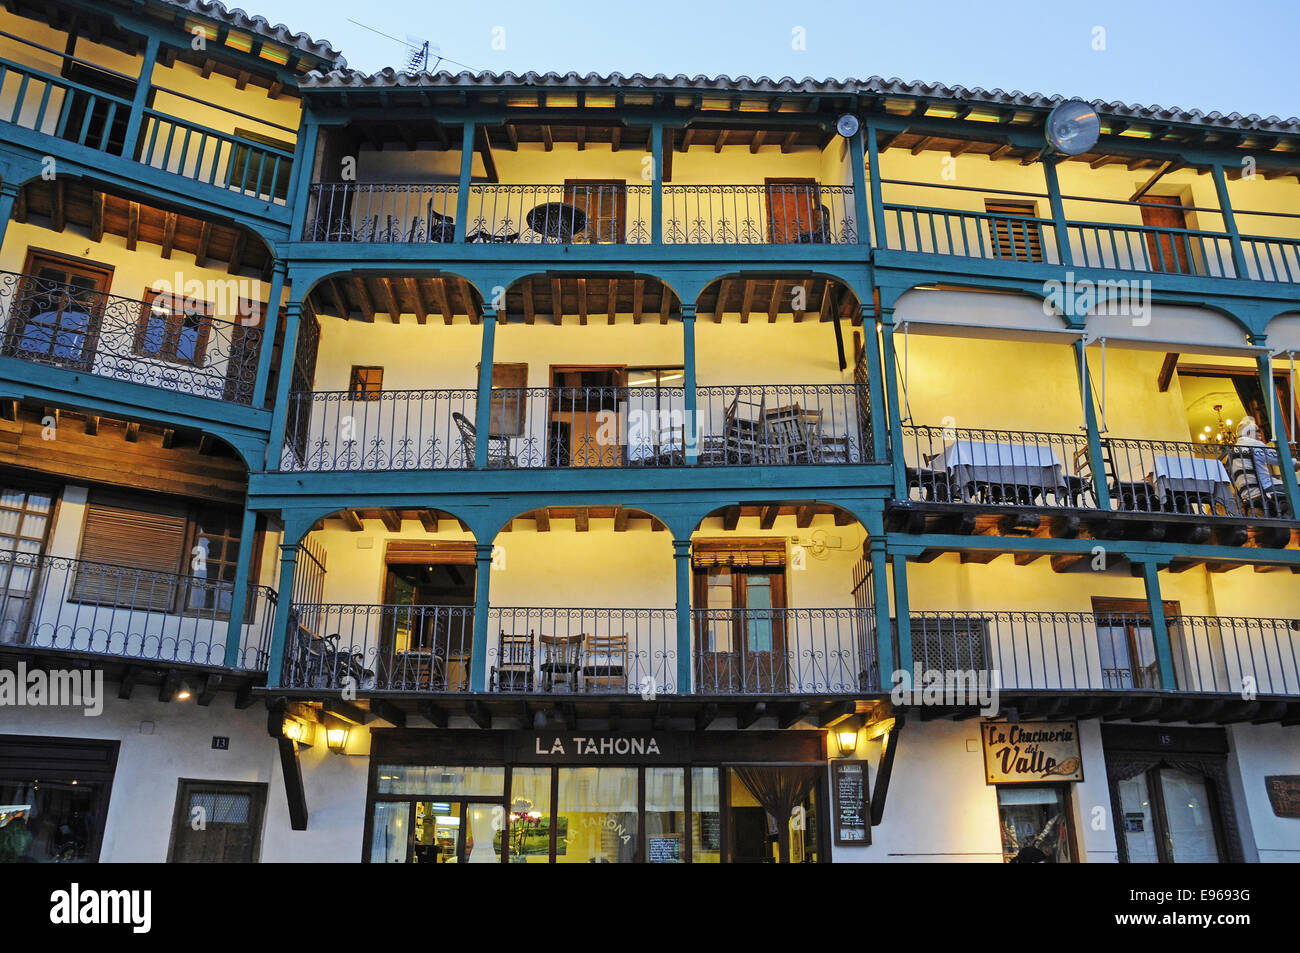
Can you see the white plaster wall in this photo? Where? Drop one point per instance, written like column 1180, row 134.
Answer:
column 1259, row 750
column 179, row 745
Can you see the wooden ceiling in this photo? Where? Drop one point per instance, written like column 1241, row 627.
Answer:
column 590, row 298
column 65, row 201
column 123, row 453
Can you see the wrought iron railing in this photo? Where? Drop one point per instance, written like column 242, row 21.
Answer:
column 783, row 424
column 970, row 234
column 1110, row 651
column 793, row 214
column 384, row 212
column 1237, row 655
column 213, row 157
column 784, row 651
column 382, row 430
column 1004, row 467
column 74, row 605
column 1148, row 248
column 1201, row 479
column 165, row 343
column 586, row 213
column 587, row 651
column 381, row 648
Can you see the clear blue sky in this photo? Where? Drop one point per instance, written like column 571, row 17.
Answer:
column 1205, row 54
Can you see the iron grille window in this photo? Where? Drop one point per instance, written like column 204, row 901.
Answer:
column 365, row 383
column 954, row 644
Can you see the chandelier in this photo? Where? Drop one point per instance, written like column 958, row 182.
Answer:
column 1221, row 434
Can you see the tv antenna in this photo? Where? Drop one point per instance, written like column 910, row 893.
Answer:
column 418, row 51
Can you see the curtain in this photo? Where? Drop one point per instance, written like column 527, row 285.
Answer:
column 779, row 791
column 1130, row 765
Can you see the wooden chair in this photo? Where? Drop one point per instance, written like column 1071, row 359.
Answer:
column 745, row 438
column 499, row 454
column 560, row 655
column 1133, row 495
column 604, row 659
column 786, row 432
column 514, row 669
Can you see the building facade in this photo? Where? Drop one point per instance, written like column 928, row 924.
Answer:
column 559, row 468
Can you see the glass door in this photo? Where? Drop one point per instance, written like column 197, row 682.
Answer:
column 742, row 637
column 24, row 525
column 1169, row 816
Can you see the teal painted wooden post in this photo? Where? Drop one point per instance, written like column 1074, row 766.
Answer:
column 483, row 408
column 691, row 430
column 280, row 412
column 657, row 184
column 1159, row 627
column 304, row 167
column 685, row 659
column 270, row 319
column 1229, row 221
column 8, row 196
column 1096, row 460
column 873, row 176
column 239, row 598
column 861, row 210
column 1276, row 431
column 284, row 604
column 880, row 599
column 141, row 98
column 482, row 585
column 891, row 399
column 1058, row 213
column 876, row 386
column 466, row 172
column 902, row 611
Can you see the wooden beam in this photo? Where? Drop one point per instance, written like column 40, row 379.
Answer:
column 730, row 518
column 363, row 298
column 582, row 519
column 92, row 425
column 530, row 314
column 1061, row 562
column 169, row 233
column 721, row 140
column 542, row 520
column 557, row 301
column 747, row 302
column 620, row 519
column 769, row 516
column 804, row 516
column 208, row 690
column 582, row 301
column 390, row 300
column 392, row 520
column 168, row 437
column 413, row 292
column 548, row 142
column 58, row 211
column 774, row 302
column 611, row 300
column 1167, row 369
column 638, row 299
column 757, row 142
column 440, row 300
column 132, row 431
column 352, row 520
column 665, row 300
column 132, row 225
column 787, row 144
column 97, row 200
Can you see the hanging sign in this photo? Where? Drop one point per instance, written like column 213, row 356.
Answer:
column 1284, row 794
column 1031, row 752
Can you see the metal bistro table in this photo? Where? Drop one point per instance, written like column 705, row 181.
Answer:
column 1189, row 480
column 979, row 463
column 557, row 220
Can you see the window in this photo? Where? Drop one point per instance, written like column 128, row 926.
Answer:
column 1013, row 233
column 365, row 383
column 24, row 524
column 741, row 586
column 603, row 203
column 1035, row 824
column 144, row 554
column 1126, row 642
column 57, row 311
column 217, row 822
column 952, row 643
column 656, row 415
column 173, row 329
column 509, row 400
column 54, row 796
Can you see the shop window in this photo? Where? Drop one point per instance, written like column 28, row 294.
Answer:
column 54, row 795
column 216, row 822
column 1169, row 816
column 365, row 383
column 1035, row 824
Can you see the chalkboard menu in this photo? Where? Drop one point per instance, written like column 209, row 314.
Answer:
column 852, row 803
column 663, row 850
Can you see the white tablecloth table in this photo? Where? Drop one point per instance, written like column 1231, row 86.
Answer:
column 980, row 461
column 1203, row 477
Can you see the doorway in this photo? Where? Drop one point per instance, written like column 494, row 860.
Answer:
column 427, row 631
column 1167, row 252
column 1126, row 642
column 742, row 632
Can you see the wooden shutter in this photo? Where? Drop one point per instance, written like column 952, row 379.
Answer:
column 1014, row 241
column 510, row 406
column 119, row 537
column 759, row 553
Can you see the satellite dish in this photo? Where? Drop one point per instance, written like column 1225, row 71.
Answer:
column 1072, row 127
column 847, row 125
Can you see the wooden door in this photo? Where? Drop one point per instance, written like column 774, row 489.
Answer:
column 1167, row 251
column 604, row 204
column 794, row 211
column 742, row 641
